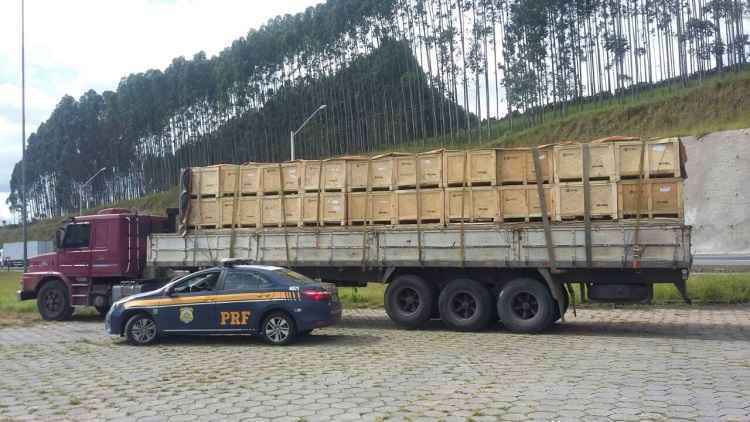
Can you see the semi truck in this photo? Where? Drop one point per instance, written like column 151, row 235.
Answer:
column 467, row 275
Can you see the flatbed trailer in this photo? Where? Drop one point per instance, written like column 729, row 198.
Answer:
column 465, row 274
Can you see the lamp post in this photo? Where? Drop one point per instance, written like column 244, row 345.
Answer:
column 80, row 190
column 293, row 133
column 23, row 137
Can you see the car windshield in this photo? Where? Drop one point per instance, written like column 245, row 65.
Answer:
column 296, row 277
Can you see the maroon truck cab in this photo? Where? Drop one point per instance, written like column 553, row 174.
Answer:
column 93, row 253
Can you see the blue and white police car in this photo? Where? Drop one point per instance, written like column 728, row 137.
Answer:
column 274, row 302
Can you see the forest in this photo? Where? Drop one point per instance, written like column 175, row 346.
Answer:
column 390, row 72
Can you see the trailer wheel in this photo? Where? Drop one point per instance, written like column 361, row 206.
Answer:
column 525, row 306
column 409, row 301
column 465, row 305
column 565, row 305
column 53, row 302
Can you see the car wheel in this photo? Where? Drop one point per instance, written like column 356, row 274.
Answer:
column 141, row 330
column 53, row 302
column 409, row 301
column 525, row 306
column 278, row 329
column 465, row 305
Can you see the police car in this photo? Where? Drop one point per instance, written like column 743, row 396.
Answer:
column 274, row 302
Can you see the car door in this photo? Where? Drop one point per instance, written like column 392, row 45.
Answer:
column 188, row 305
column 242, row 297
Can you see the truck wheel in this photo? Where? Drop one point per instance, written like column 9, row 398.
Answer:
column 53, row 302
column 525, row 306
column 409, row 301
column 465, row 305
column 278, row 329
column 102, row 310
column 140, row 330
column 565, row 305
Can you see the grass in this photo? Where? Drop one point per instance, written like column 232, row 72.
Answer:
column 703, row 288
column 12, row 311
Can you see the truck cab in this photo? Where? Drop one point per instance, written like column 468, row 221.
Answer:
column 92, row 254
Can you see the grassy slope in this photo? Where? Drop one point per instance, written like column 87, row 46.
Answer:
column 719, row 103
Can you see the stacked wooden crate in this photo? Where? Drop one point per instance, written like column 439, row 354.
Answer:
column 444, row 187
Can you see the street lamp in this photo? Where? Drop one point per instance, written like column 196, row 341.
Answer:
column 291, row 140
column 80, row 190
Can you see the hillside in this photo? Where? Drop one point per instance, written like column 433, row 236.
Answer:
column 719, row 103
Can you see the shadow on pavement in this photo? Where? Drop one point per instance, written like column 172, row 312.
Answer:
column 313, row 340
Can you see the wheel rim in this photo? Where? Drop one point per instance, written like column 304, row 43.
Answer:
column 53, row 302
column 408, row 300
column 143, row 330
column 463, row 305
column 525, row 305
column 277, row 329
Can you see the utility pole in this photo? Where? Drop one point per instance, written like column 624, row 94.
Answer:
column 293, row 133
column 23, row 139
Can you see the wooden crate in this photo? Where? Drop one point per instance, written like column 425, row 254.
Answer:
column 659, row 198
column 250, row 179
column 228, row 178
column 628, row 159
column 431, row 206
column 227, row 212
column 205, row 181
column 514, row 204
column 570, row 200
column 272, row 174
column 334, row 175
column 429, row 164
column 204, row 213
column 485, row 204
column 357, row 174
column 383, row 171
column 568, row 160
column 271, row 210
column 249, row 212
column 310, row 213
column 457, row 205
column 664, row 157
column 532, row 201
column 455, row 168
column 310, row 176
column 511, row 165
column 333, row 208
column 370, row 208
column 547, row 162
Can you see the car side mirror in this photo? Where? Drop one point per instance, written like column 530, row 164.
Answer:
column 169, row 292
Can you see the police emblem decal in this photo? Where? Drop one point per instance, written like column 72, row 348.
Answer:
column 186, row 315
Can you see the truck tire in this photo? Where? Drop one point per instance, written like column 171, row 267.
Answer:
column 465, row 305
column 566, row 304
column 409, row 301
column 102, row 310
column 53, row 301
column 141, row 330
column 525, row 305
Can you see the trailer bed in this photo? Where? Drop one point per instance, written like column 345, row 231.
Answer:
column 663, row 245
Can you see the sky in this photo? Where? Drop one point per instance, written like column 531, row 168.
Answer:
column 76, row 45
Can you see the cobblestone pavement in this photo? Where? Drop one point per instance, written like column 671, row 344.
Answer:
column 605, row 364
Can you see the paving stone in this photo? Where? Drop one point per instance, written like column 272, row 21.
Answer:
column 606, row 364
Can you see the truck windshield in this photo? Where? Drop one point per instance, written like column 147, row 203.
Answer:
column 297, row 277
